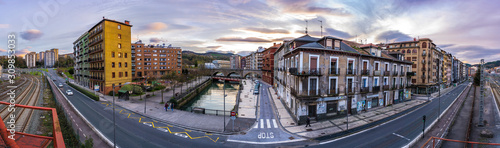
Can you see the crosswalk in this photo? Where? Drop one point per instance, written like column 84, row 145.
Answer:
column 266, row 123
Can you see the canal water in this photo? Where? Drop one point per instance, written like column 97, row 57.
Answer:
column 212, row 98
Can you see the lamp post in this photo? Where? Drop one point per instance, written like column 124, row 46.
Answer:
column 114, row 122
column 224, row 88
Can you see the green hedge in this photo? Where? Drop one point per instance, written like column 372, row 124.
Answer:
column 87, row 93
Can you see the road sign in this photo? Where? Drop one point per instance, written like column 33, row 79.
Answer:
column 233, row 113
column 233, row 117
column 96, row 87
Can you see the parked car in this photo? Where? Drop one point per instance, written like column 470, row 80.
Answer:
column 69, row 92
column 60, row 85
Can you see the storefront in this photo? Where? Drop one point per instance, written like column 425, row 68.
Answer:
column 331, row 107
column 372, row 101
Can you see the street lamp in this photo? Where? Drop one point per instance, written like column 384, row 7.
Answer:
column 114, row 122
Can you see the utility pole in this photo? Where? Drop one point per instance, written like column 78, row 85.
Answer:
column 481, row 99
column 224, row 88
column 321, row 27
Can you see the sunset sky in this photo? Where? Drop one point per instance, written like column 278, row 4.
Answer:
column 467, row 29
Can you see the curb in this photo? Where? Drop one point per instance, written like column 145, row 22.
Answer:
column 279, row 116
column 85, row 119
column 435, row 121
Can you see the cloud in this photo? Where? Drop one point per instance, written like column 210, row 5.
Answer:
column 446, row 45
column 244, row 53
column 239, row 39
column 3, row 50
column 219, row 51
column 213, row 47
column 23, row 52
column 282, row 39
column 266, row 30
column 156, row 26
column 474, row 54
column 4, row 25
column 156, row 40
column 337, row 33
column 31, row 35
column 392, row 36
column 307, row 7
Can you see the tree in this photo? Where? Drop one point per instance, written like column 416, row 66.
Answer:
column 477, row 77
column 71, row 71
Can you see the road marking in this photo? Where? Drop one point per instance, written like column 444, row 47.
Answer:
column 80, row 129
column 84, row 135
column 261, row 123
column 275, row 124
column 257, row 142
column 401, row 136
column 256, row 125
column 76, row 124
column 268, row 123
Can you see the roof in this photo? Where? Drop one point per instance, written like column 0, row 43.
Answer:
column 368, row 45
column 307, row 38
column 312, row 45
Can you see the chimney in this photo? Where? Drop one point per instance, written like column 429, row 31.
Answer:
column 127, row 22
column 414, row 39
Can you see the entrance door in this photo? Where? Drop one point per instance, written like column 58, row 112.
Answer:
column 365, row 65
column 312, row 111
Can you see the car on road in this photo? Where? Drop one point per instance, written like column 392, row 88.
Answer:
column 54, row 80
column 69, row 92
column 60, row 85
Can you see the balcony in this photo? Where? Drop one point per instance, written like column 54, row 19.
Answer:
column 351, row 90
column 365, row 72
column 376, row 73
column 423, row 76
column 304, row 93
column 402, row 73
column 333, row 71
column 424, row 54
column 385, row 87
column 133, row 56
column 95, row 50
column 179, row 53
column 133, row 69
column 96, row 69
column 305, row 71
column 394, row 73
column 376, row 89
column 387, row 73
column 96, row 60
column 332, row 93
column 178, row 61
column 423, row 69
column 179, row 57
column 351, row 71
column 364, row 90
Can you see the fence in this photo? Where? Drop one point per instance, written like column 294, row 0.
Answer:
column 467, row 143
column 208, row 111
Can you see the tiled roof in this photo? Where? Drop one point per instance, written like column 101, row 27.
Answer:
column 307, row 38
column 347, row 48
column 312, row 45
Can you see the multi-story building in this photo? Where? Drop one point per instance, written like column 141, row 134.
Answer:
column 243, row 63
column 30, row 59
column 109, row 55
column 268, row 64
column 235, row 61
column 258, row 58
column 249, row 61
column 82, row 64
column 37, row 57
column 50, row 58
column 155, row 60
column 447, row 67
column 426, row 60
column 68, row 55
column 326, row 78
column 56, row 53
column 42, row 56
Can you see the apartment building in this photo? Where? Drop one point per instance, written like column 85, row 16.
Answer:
column 258, row 58
column 155, row 60
column 42, row 56
column 268, row 63
column 56, row 54
column 235, row 61
column 325, row 78
column 30, row 59
column 447, row 67
column 243, row 63
column 427, row 63
column 249, row 61
column 107, row 55
column 82, row 64
column 50, row 58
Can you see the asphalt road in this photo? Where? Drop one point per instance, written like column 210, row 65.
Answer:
column 399, row 132
column 133, row 133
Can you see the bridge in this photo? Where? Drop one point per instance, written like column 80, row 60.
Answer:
column 242, row 72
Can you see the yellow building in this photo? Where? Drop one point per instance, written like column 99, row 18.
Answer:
column 109, row 54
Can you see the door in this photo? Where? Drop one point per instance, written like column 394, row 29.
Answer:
column 312, row 111
column 313, row 64
column 365, row 65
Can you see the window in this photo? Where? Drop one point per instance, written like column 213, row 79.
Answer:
column 424, row 45
column 120, row 36
column 119, row 27
column 119, row 54
column 337, row 44
column 125, row 64
column 386, row 81
column 313, row 86
column 113, row 64
column 409, row 50
column 113, row 54
column 365, row 82
column 414, row 51
column 375, row 81
column 413, row 58
column 120, row 74
column 377, row 66
column 333, row 86
column 113, row 74
column 119, row 64
column 125, row 55
column 126, row 74
column 138, row 50
column 119, row 46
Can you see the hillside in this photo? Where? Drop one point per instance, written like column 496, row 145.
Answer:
column 490, row 64
column 193, row 58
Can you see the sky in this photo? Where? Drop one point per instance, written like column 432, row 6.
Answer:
column 467, row 29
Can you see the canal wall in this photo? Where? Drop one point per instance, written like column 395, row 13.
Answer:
column 185, row 99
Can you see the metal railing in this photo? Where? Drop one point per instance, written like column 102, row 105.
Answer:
column 333, row 71
column 351, row 71
column 365, row 72
column 305, row 71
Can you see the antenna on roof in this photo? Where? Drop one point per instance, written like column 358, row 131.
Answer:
column 321, row 27
column 306, row 26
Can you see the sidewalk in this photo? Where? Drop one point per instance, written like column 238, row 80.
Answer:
column 332, row 126
column 248, row 101
column 435, row 94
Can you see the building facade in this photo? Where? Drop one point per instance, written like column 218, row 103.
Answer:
column 30, row 59
column 50, row 58
column 235, row 61
column 243, row 63
column 109, row 50
column 268, row 64
column 82, row 64
column 42, row 56
column 155, row 60
column 426, row 58
column 325, row 78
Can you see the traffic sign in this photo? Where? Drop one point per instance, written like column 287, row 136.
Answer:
column 233, row 113
column 233, row 117
column 96, row 87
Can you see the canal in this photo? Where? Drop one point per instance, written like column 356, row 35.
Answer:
column 211, row 98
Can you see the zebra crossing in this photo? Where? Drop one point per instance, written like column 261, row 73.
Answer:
column 266, row 123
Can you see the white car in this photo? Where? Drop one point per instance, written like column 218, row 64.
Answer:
column 60, row 85
column 69, row 92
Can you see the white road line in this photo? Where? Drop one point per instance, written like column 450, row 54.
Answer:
column 80, row 129
column 268, row 123
column 401, row 136
column 261, row 123
column 257, row 142
column 84, row 135
column 275, row 124
column 256, row 125
column 76, row 124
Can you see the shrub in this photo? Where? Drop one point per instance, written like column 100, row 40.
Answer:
column 85, row 92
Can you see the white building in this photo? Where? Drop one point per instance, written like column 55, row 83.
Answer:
column 30, row 59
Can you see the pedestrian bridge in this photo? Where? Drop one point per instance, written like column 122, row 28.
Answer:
column 242, row 72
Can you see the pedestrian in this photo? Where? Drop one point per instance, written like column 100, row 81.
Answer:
column 308, row 122
column 166, row 106
column 172, row 106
